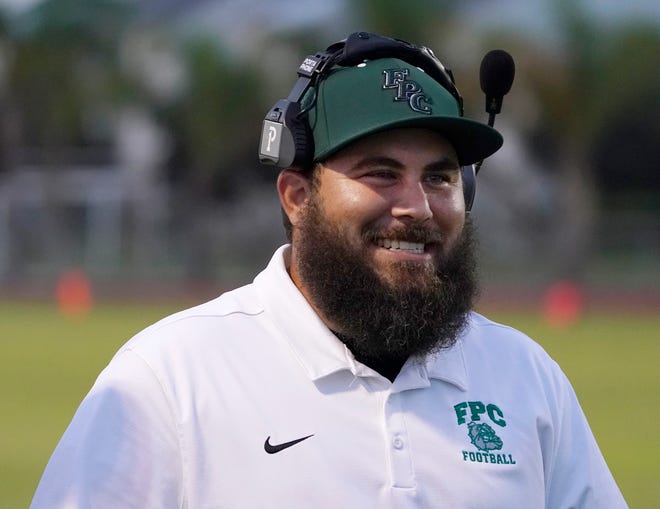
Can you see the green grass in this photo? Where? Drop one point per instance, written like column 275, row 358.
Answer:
column 49, row 362
column 612, row 362
column 47, row 365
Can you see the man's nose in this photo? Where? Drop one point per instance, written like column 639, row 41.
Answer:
column 412, row 201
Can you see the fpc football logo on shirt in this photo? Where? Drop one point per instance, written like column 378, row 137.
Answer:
column 481, row 434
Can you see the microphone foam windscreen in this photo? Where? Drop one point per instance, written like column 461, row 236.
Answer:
column 496, row 73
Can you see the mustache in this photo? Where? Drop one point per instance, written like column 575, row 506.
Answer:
column 414, row 232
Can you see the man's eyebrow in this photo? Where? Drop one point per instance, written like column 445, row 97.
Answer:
column 446, row 163
column 377, row 161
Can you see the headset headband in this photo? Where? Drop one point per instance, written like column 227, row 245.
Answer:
column 285, row 138
column 362, row 46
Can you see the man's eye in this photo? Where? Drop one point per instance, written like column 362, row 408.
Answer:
column 439, row 178
column 381, row 174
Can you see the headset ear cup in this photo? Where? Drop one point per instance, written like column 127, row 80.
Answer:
column 469, row 185
column 304, row 143
column 301, row 137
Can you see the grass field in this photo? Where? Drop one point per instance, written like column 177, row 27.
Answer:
column 48, row 363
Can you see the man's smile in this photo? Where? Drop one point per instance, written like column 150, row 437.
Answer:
column 401, row 245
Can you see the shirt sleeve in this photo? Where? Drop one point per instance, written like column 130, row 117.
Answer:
column 121, row 450
column 578, row 476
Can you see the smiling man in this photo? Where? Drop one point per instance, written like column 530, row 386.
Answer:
column 352, row 372
column 380, row 245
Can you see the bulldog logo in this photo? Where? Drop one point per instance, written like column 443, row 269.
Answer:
column 483, row 437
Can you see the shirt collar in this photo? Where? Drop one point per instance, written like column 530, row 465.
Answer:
column 449, row 365
column 317, row 349
column 320, row 352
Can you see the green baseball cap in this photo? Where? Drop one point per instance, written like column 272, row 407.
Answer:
column 388, row 93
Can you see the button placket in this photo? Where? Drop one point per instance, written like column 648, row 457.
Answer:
column 401, row 465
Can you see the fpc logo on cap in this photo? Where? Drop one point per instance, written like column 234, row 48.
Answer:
column 407, row 90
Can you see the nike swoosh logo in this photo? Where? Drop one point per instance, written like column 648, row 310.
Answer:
column 272, row 449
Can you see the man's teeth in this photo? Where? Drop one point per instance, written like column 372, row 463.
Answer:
column 401, row 245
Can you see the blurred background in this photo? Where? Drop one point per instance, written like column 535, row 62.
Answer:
column 130, row 187
column 128, row 135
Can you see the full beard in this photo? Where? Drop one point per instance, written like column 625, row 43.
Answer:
column 419, row 310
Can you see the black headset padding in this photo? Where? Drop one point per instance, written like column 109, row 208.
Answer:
column 303, row 138
column 469, row 175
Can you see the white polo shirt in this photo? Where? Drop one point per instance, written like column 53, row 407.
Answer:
column 249, row 401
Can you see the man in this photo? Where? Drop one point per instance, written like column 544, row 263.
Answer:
column 351, row 372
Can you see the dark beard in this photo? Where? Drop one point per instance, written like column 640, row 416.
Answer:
column 377, row 320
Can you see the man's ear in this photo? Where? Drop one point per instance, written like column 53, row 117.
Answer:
column 294, row 189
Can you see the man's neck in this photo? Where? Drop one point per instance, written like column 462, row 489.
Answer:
column 389, row 367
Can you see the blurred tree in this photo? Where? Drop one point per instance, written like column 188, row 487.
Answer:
column 625, row 119
column 601, row 73
column 565, row 111
column 214, row 124
column 95, row 24
column 214, row 121
column 412, row 20
column 64, row 71
column 5, row 124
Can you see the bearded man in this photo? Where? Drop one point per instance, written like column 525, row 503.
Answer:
column 352, row 372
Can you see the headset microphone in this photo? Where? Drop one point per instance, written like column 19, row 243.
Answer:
column 495, row 77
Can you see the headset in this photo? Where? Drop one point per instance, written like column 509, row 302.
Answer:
column 286, row 137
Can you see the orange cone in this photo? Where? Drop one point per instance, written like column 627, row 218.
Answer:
column 563, row 304
column 74, row 293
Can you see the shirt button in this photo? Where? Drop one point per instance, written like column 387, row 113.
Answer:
column 397, row 442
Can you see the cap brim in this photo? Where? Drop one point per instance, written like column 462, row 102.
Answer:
column 472, row 141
